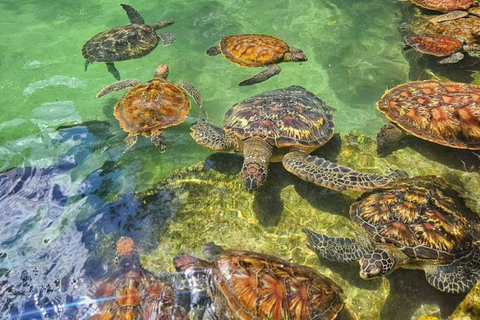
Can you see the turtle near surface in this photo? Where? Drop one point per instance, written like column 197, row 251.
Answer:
column 415, row 223
column 247, row 285
column 444, row 5
column 125, row 42
column 283, row 125
column 446, row 113
column 257, row 50
column 149, row 108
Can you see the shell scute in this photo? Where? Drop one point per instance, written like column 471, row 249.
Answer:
column 444, row 5
column 434, row 44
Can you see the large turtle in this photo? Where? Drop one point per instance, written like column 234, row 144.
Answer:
column 125, row 42
column 283, row 125
column 132, row 292
column 447, row 113
column 415, row 223
column 444, row 5
column 246, row 285
column 149, row 108
column 257, row 50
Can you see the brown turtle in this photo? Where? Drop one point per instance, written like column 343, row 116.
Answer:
column 149, row 108
column 246, row 285
column 125, row 42
column 256, row 50
column 132, row 292
column 283, row 125
column 447, row 113
column 415, row 223
column 444, row 5
column 436, row 45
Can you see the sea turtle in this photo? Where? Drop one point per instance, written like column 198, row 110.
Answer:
column 443, row 5
column 447, row 113
column 257, row 50
column 132, row 292
column 125, row 42
column 282, row 125
column 415, row 223
column 248, row 285
column 148, row 108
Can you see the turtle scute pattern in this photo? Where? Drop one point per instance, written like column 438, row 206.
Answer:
column 434, row 44
column 447, row 113
column 444, row 5
column 152, row 106
column 423, row 217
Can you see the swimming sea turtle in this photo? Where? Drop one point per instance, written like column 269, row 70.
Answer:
column 447, row 113
column 125, row 42
column 132, row 292
column 282, row 125
column 415, row 223
column 148, row 108
column 256, row 50
column 248, row 285
column 444, row 5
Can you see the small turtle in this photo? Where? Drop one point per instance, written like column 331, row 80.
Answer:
column 447, row 113
column 436, row 45
column 256, row 50
column 444, row 5
column 249, row 285
column 283, row 125
column 132, row 292
column 125, row 42
column 414, row 223
column 148, row 108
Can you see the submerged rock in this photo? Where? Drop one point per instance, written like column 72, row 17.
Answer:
column 469, row 309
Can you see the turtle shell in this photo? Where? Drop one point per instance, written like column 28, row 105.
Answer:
column 447, row 113
column 433, row 44
column 259, row 286
column 465, row 29
column 284, row 118
column 253, row 50
column 422, row 216
column 444, row 5
column 150, row 107
column 121, row 43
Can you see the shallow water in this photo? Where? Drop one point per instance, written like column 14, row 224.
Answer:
column 67, row 189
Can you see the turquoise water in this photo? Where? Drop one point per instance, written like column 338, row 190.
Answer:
column 51, row 120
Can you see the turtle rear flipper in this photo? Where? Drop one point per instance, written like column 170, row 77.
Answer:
column 459, row 276
column 132, row 14
column 263, row 75
column 158, row 140
column 111, row 68
column 213, row 51
column 330, row 175
column 167, row 38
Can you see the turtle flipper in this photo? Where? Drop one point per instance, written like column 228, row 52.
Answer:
column 459, row 276
column 335, row 249
column 130, row 141
column 87, row 62
column 159, row 141
column 262, row 75
column 191, row 90
column 127, row 83
column 213, row 51
column 210, row 136
column 132, row 14
column 210, row 314
column 167, row 38
column 330, row 175
column 387, row 137
column 454, row 58
column 111, row 68
column 210, row 250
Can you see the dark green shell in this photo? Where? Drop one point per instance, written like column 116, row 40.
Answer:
column 121, row 43
column 284, row 118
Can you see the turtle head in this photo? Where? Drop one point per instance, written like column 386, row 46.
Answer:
column 296, row 56
column 161, row 72
column 377, row 263
column 256, row 153
column 127, row 256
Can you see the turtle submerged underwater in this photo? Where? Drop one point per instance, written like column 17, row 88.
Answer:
column 125, row 42
column 149, row 108
column 414, row 223
column 283, row 125
column 247, row 285
column 257, row 50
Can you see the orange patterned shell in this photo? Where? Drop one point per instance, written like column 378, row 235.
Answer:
column 422, row 216
column 150, row 107
column 258, row 286
column 463, row 29
column 444, row 5
column 253, row 50
column 433, row 44
column 447, row 113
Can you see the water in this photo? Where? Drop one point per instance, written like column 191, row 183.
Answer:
column 67, row 188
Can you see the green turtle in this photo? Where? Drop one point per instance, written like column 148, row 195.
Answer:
column 415, row 223
column 283, row 125
column 125, row 42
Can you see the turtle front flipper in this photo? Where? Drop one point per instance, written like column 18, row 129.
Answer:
column 210, row 136
column 191, row 90
column 454, row 58
column 213, row 51
column 132, row 14
column 158, row 140
column 335, row 249
column 388, row 137
column 257, row 153
column 459, row 276
column 262, row 75
column 330, row 175
column 127, row 83
column 111, row 68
